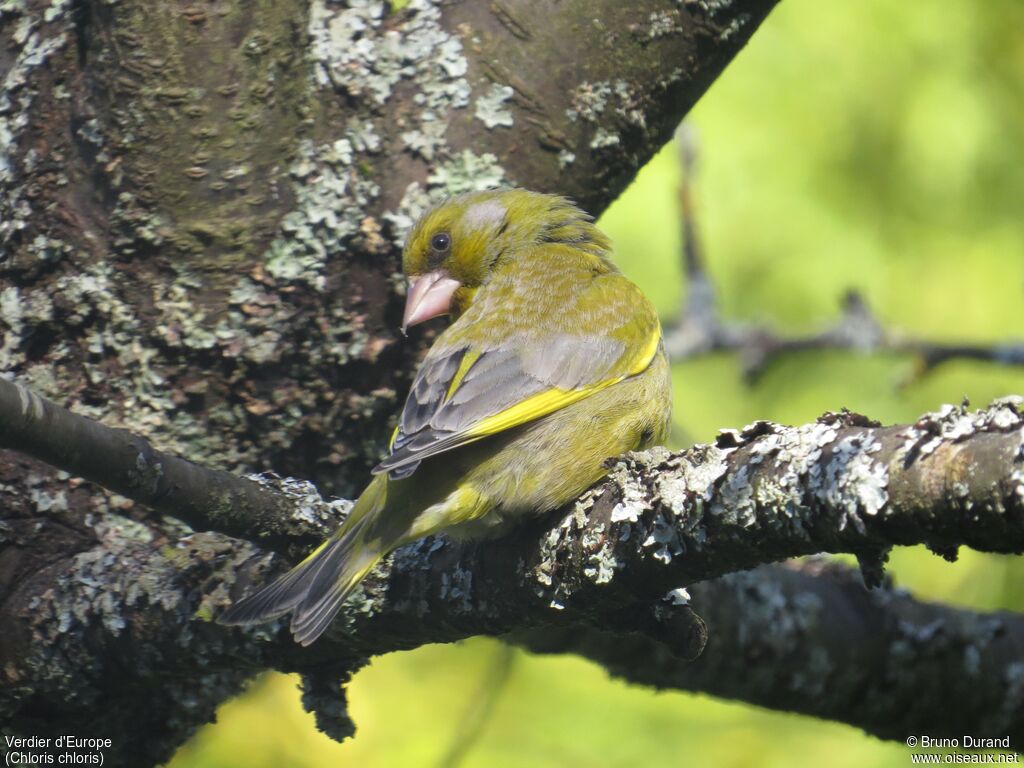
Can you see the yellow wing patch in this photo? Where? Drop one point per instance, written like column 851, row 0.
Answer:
column 555, row 399
column 467, row 362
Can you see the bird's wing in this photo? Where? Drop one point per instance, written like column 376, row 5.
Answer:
column 467, row 392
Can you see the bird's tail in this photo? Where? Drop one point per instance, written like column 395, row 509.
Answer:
column 314, row 590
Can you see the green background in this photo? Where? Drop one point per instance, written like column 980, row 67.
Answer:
column 874, row 145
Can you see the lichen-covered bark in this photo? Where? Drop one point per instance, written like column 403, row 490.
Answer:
column 125, row 463
column 132, row 609
column 809, row 638
column 574, row 97
column 200, row 211
column 201, row 206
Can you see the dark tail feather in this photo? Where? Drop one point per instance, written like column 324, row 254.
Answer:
column 314, row 589
column 328, row 590
column 278, row 597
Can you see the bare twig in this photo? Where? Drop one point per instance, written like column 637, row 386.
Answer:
column 699, row 329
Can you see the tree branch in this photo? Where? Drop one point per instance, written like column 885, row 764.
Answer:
column 129, row 465
column 809, row 638
column 660, row 522
column 699, row 329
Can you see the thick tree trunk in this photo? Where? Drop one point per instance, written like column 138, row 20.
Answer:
column 199, row 211
column 201, row 205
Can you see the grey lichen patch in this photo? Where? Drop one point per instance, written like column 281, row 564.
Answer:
column 712, row 7
column 663, row 23
column 795, row 454
column 100, row 586
column 332, row 200
column 35, row 36
column 657, row 533
column 734, row 503
column 663, row 540
column 686, row 487
column 457, row 589
column 678, row 596
column 182, row 321
column 428, row 138
column 552, row 546
column 46, row 502
column 1017, row 477
column 715, row 9
column 604, row 138
column 355, row 51
column 602, row 564
column 695, row 480
column 854, row 483
column 129, row 589
column 765, row 603
column 549, row 547
column 261, row 325
column 12, row 322
column 955, row 423
column 734, row 27
column 590, row 102
column 490, row 107
column 145, row 396
column 633, row 502
column 111, row 329
column 1003, row 413
column 466, row 172
column 317, row 515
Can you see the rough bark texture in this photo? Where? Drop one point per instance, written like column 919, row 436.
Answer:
column 200, row 203
column 809, row 638
column 199, row 211
column 131, row 612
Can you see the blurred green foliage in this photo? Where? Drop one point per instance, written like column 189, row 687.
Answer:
column 871, row 145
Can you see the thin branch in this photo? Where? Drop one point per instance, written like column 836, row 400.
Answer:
column 129, row 465
column 699, row 329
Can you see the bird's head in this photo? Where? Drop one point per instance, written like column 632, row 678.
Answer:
column 456, row 246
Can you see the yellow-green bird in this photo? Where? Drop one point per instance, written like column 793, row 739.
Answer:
column 553, row 364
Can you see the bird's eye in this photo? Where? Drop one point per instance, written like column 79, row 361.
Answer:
column 441, row 242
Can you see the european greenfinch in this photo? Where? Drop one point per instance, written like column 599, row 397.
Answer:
column 554, row 363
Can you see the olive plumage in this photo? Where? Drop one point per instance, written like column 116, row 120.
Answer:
column 553, row 364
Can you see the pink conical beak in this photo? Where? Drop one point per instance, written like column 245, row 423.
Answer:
column 430, row 295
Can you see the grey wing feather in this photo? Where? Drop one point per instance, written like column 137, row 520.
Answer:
column 499, row 378
column 428, row 391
